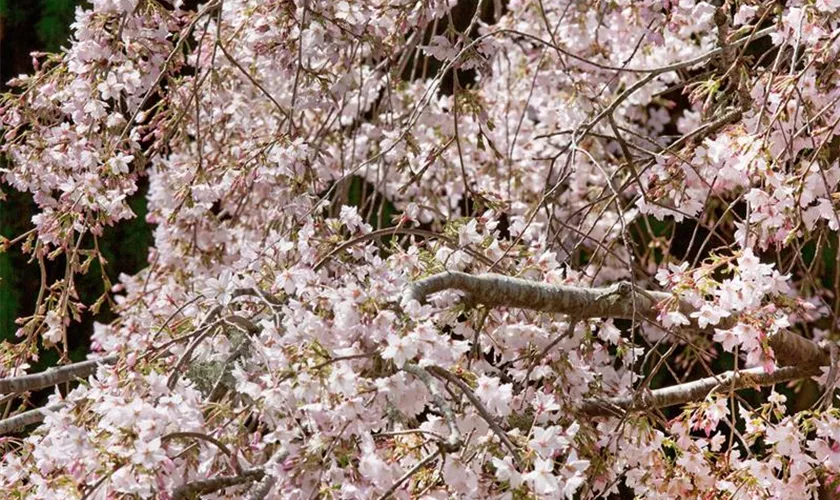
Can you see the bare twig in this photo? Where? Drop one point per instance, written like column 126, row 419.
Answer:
column 570, row 332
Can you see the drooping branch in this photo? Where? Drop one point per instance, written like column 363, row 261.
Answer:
column 695, row 390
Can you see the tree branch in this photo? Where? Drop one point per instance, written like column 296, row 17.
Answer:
column 453, row 442
column 619, row 300
column 695, row 390
column 53, row 376
column 204, row 486
column 21, row 420
column 616, row 301
column 797, row 356
column 261, row 489
column 486, row 415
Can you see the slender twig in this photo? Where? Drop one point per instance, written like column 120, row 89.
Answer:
column 233, row 319
column 253, row 80
column 198, row 435
column 479, row 406
column 570, row 332
column 405, row 477
column 393, row 231
column 655, row 71
column 453, row 442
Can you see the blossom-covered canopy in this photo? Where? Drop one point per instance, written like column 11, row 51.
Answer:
column 434, row 249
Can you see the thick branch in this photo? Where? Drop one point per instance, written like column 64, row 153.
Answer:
column 21, row 420
column 795, row 350
column 53, row 376
column 204, row 486
column 261, row 489
column 616, row 301
column 696, row 390
column 798, row 356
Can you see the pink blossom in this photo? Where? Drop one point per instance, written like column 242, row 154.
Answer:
column 542, row 479
column 709, row 315
column 400, row 349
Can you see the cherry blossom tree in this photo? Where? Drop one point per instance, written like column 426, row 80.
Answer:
column 434, row 249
